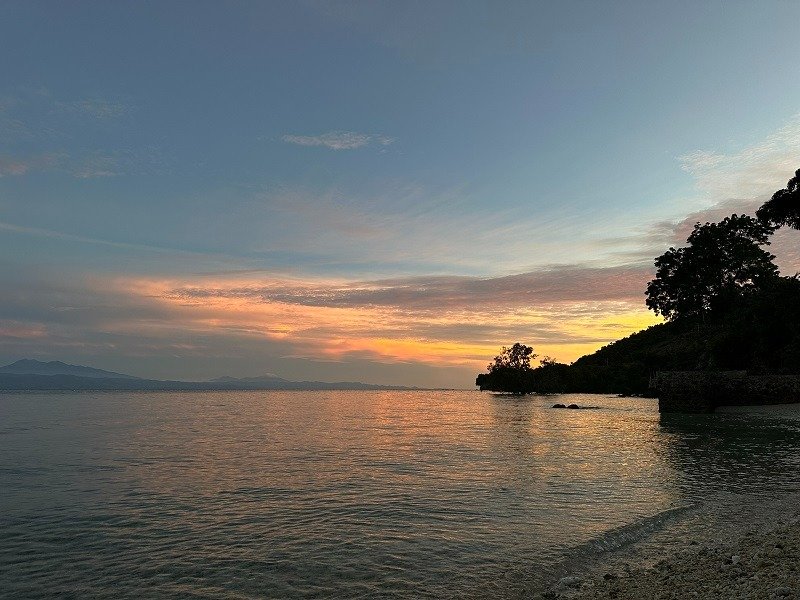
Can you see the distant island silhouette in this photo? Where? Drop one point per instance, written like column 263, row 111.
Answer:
column 727, row 309
column 29, row 374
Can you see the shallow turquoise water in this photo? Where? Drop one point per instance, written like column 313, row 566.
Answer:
column 353, row 494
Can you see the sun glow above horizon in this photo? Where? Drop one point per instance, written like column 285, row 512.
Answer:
column 385, row 192
column 316, row 328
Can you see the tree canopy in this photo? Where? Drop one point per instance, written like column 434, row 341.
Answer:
column 510, row 372
column 518, row 357
column 784, row 206
column 726, row 305
column 723, row 261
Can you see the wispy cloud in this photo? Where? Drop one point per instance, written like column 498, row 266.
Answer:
column 418, row 227
column 727, row 183
column 431, row 322
column 752, row 172
column 785, row 244
column 99, row 108
column 543, row 288
column 566, row 311
column 89, row 167
column 96, row 166
column 68, row 237
column 739, row 182
column 339, row 140
column 37, row 128
column 13, row 166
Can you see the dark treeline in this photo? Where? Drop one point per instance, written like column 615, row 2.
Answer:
column 725, row 304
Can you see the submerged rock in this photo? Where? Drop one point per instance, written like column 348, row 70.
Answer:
column 573, row 406
column 559, row 406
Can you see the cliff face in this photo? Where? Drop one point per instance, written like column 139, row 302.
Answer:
column 703, row 391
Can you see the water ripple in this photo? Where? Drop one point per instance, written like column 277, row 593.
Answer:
column 354, row 494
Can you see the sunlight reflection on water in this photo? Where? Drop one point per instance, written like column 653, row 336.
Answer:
column 349, row 494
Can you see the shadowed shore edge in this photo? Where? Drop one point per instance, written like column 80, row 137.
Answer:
column 761, row 564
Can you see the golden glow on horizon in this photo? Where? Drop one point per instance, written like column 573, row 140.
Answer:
column 378, row 333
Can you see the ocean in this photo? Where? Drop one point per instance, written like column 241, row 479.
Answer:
column 424, row 494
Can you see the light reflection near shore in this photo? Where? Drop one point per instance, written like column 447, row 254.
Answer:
column 334, row 493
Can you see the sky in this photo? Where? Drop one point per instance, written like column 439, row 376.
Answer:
column 385, row 192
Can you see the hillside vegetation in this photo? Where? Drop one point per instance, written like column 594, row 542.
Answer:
column 727, row 308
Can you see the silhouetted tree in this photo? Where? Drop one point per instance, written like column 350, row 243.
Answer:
column 547, row 361
column 722, row 262
column 510, row 371
column 784, row 206
column 726, row 305
column 519, row 357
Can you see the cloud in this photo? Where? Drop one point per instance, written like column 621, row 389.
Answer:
column 96, row 166
column 755, row 171
column 436, row 294
column 39, row 232
column 89, row 167
column 735, row 182
column 739, row 182
column 438, row 323
column 14, row 166
column 17, row 166
column 566, row 311
column 785, row 243
column 98, row 108
column 378, row 226
column 339, row 140
column 13, row 331
column 35, row 127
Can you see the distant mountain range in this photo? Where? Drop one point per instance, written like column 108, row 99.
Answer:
column 27, row 366
column 28, row 374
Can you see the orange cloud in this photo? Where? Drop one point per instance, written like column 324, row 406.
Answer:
column 17, row 329
column 412, row 321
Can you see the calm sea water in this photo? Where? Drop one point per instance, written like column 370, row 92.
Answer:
column 354, row 494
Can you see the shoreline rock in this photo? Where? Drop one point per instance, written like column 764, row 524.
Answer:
column 758, row 565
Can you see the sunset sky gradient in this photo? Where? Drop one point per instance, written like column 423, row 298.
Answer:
column 376, row 191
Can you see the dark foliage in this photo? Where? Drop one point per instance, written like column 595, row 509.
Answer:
column 784, row 206
column 722, row 262
column 510, row 372
column 726, row 305
column 516, row 358
column 759, row 332
column 507, row 381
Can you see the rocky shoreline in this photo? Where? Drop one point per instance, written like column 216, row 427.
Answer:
column 758, row 565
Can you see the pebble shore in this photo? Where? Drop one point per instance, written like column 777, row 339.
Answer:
column 759, row 565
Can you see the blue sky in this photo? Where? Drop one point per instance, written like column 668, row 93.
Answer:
column 152, row 149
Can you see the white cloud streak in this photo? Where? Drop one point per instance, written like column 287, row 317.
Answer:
column 753, row 172
column 339, row 140
column 68, row 237
column 98, row 108
column 727, row 183
column 438, row 294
